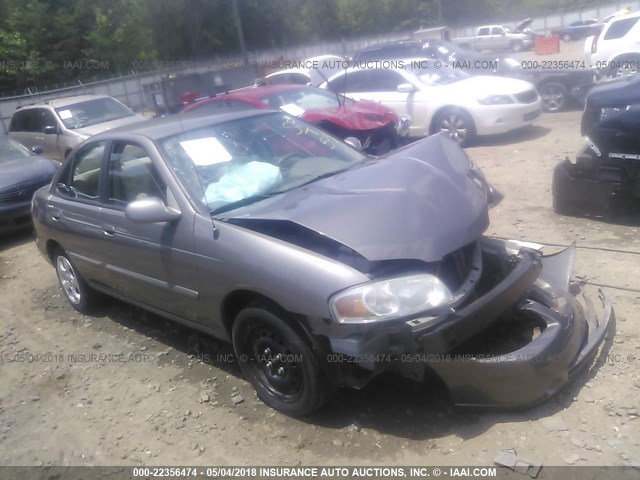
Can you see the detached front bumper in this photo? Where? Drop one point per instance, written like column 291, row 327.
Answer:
column 534, row 292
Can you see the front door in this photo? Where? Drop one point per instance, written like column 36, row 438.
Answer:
column 151, row 263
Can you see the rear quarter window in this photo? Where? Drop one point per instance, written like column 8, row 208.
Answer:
column 620, row 28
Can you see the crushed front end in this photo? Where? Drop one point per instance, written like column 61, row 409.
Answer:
column 513, row 333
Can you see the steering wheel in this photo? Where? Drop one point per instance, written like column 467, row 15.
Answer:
column 287, row 161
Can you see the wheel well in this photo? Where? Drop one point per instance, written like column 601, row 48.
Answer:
column 51, row 246
column 237, row 301
column 240, row 299
column 432, row 127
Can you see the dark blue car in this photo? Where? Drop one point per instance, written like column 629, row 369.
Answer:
column 22, row 172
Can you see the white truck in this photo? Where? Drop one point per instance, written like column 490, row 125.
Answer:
column 497, row 37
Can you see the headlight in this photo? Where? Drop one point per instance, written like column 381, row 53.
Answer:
column 390, row 299
column 496, row 100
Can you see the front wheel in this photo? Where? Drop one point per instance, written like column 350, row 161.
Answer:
column 76, row 290
column 553, row 96
column 282, row 368
column 566, row 37
column 458, row 125
column 517, row 46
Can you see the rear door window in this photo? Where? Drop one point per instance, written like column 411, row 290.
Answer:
column 83, row 181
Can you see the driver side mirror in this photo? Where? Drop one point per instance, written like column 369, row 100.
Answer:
column 150, row 210
column 50, row 130
column 406, row 88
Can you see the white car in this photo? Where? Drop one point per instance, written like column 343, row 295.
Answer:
column 615, row 49
column 440, row 98
column 312, row 71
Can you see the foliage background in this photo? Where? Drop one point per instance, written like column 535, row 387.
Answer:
column 40, row 39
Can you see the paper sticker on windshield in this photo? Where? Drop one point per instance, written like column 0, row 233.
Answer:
column 292, row 109
column 65, row 114
column 206, row 151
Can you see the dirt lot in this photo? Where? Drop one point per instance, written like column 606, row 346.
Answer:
column 155, row 393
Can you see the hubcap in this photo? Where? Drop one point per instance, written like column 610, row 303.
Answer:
column 275, row 363
column 454, row 126
column 552, row 98
column 68, row 280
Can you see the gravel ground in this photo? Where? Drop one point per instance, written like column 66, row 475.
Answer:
column 129, row 388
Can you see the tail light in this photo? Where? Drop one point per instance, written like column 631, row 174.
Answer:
column 594, row 44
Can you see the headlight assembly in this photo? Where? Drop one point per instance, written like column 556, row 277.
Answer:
column 496, row 100
column 390, row 299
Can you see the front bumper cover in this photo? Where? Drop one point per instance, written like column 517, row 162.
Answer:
column 536, row 287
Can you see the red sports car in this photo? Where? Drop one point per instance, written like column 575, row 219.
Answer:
column 378, row 128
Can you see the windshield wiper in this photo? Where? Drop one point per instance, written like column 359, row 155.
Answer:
column 241, row 203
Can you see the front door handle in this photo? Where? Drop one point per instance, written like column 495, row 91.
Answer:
column 109, row 230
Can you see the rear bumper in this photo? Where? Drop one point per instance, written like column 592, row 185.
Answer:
column 535, row 291
column 580, row 187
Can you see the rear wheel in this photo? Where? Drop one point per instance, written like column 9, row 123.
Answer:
column 457, row 124
column 553, row 96
column 280, row 365
column 76, row 290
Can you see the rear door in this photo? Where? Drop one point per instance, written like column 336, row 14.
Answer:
column 74, row 212
column 151, row 263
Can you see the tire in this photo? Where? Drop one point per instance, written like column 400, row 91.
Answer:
column 75, row 289
column 456, row 123
column 630, row 68
column 566, row 37
column 517, row 46
column 280, row 365
column 383, row 144
column 554, row 96
column 562, row 205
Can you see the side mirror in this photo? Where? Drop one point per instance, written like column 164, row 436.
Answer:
column 150, row 210
column 37, row 150
column 406, row 88
column 354, row 142
column 50, row 130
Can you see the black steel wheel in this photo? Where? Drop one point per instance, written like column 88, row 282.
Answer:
column 278, row 362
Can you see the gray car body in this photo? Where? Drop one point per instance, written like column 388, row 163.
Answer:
column 389, row 216
column 202, row 264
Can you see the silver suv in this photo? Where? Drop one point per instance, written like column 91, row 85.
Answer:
column 57, row 126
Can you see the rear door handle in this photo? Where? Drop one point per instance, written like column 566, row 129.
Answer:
column 55, row 213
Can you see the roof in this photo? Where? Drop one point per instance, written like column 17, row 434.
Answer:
column 258, row 93
column 64, row 101
column 157, row 128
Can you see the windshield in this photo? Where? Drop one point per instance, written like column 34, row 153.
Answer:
column 230, row 164
column 10, row 150
column 91, row 112
column 441, row 76
column 298, row 101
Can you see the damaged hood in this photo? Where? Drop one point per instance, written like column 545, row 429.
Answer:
column 362, row 115
column 416, row 203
